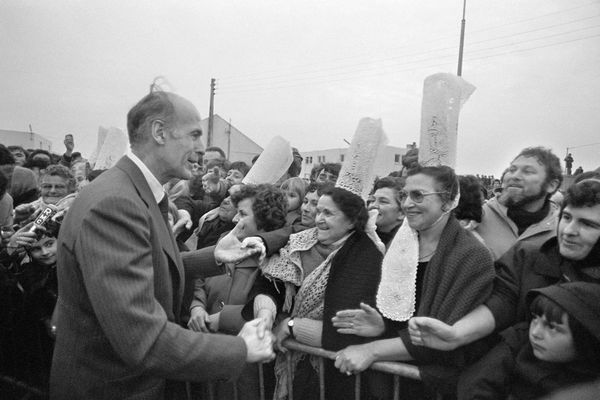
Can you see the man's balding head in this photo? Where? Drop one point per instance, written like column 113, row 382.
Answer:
column 154, row 106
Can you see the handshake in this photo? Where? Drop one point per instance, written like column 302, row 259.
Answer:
column 259, row 341
column 256, row 333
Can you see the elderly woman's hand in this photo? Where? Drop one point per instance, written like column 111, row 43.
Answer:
column 354, row 359
column 281, row 332
column 433, row 333
column 366, row 321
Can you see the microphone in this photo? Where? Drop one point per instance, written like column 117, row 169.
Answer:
column 39, row 224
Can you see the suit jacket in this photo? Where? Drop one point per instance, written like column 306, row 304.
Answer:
column 121, row 281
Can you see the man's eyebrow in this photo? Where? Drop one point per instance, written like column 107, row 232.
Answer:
column 591, row 222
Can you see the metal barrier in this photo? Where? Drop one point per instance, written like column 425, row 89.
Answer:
column 28, row 391
column 397, row 369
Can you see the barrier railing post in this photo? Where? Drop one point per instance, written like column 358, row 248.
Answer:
column 211, row 391
column 396, row 387
column 288, row 359
column 235, row 391
column 261, row 381
column 357, row 387
column 321, row 378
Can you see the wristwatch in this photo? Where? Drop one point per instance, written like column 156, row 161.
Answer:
column 290, row 325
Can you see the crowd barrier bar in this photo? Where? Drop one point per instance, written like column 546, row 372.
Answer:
column 30, row 390
column 397, row 369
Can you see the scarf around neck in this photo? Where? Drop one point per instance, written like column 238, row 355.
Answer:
column 524, row 219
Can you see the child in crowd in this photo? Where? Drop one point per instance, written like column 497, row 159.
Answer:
column 237, row 172
column 33, row 334
column 295, row 190
column 561, row 347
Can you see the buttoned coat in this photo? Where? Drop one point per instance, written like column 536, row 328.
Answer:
column 121, row 282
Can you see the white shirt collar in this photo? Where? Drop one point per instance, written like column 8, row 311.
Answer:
column 155, row 186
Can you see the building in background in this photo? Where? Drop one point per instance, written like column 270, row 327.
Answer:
column 389, row 160
column 27, row 140
column 236, row 145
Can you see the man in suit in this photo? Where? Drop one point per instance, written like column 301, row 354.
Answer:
column 121, row 276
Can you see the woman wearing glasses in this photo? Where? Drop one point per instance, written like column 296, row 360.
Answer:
column 433, row 267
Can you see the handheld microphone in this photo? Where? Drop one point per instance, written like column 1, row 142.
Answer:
column 43, row 219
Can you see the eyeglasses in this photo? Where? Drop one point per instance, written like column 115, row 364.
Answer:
column 416, row 195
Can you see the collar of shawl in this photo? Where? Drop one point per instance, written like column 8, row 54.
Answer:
column 287, row 266
column 398, row 287
column 309, row 301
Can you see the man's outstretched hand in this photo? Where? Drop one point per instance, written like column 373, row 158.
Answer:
column 259, row 341
column 231, row 250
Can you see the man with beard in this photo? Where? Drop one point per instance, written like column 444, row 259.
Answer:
column 523, row 212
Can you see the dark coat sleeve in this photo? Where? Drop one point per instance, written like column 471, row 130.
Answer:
column 489, row 378
column 504, row 300
column 275, row 240
column 119, row 280
column 201, row 263
column 274, row 289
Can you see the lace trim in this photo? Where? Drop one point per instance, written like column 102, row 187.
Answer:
column 287, row 266
column 396, row 295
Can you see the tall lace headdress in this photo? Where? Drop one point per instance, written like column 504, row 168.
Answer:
column 443, row 96
column 272, row 163
column 112, row 144
column 356, row 174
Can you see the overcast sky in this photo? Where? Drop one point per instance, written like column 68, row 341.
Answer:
column 310, row 70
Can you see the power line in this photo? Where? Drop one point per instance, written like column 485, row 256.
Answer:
column 353, row 73
column 450, row 62
column 262, row 73
column 356, row 67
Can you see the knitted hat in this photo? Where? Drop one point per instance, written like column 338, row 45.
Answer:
column 581, row 300
column 356, row 175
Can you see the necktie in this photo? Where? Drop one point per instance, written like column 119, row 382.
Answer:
column 163, row 206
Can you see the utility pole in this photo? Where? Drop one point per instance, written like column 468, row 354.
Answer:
column 209, row 139
column 462, row 40
column 229, row 139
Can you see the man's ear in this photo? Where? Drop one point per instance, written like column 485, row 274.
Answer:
column 158, row 131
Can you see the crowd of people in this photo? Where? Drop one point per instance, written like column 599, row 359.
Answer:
column 169, row 267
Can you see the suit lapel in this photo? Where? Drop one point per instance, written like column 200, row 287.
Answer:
column 165, row 235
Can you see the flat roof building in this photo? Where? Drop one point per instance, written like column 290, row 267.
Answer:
column 27, row 140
